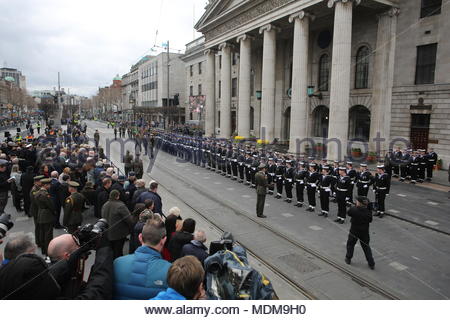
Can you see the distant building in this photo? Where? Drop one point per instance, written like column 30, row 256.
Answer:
column 145, row 88
column 10, row 73
column 195, row 66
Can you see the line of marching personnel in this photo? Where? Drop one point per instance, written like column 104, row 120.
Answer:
column 334, row 182
column 413, row 165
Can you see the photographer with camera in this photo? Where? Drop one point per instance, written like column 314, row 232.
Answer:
column 29, row 277
column 361, row 217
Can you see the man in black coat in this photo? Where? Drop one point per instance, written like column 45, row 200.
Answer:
column 153, row 195
column 361, row 217
column 102, row 196
column 118, row 185
column 196, row 247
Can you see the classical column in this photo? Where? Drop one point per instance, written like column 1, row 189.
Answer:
column 340, row 79
column 210, row 112
column 268, row 82
column 299, row 99
column 244, row 85
column 225, row 99
column 383, row 80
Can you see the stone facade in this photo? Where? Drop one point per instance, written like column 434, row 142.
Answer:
column 366, row 95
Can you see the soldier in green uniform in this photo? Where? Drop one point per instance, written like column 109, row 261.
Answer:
column 138, row 167
column 45, row 215
column 33, row 207
column 261, row 190
column 73, row 208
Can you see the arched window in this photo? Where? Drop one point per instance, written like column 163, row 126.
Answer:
column 324, row 72
column 362, row 68
column 359, row 123
column 320, row 121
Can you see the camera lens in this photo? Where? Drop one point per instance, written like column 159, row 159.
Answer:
column 5, row 224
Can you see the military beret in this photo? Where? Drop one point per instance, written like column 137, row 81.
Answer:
column 46, row 180
column 262, row 166
column 36, row 178
column 74, row 184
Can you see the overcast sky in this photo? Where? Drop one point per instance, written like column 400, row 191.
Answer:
column 88, row 41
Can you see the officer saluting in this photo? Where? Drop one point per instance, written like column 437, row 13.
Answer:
column 73, row 208
column 261, row 190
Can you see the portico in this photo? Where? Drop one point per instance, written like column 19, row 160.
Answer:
column 270, row 52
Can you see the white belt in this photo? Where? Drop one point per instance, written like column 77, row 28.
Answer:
column 241, row 163
column 382, row 188
column 344, row 190
column 289, row 180
column 272, row 174
column 234, row 160
column 312, row 184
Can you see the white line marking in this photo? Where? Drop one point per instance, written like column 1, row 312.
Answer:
column 287, row 215
column 246, row 196
column 432, row 223
column 315, row 228
column 398, row 266
column 393, row 211
column 401, row 195
column 431, row 203
column 19, row 219
column 415, row 258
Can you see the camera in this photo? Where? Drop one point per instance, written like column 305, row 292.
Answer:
column 225, row 243
column 87, row 234
column 5, row 224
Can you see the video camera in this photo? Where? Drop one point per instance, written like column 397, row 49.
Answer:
column 226, row 243
column 5, row 224
column 88, row 234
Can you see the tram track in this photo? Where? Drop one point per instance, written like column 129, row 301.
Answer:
column 361, row 280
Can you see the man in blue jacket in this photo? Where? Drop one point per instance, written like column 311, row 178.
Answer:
column 143, row 275
column 152, row 194
column 185, row 281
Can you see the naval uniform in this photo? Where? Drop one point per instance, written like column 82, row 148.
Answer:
column 364, row 181
column 300, row 185
column 288, row 178
column 312, row 179
column 279, row 173
column 342, row 186
column 326, row 183
column 381, row 188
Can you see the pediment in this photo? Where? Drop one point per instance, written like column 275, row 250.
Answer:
column 219, row 8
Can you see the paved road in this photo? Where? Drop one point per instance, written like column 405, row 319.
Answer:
column 411, row 260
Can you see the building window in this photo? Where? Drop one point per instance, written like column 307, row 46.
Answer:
column 199, row 68
column 220, row 89
column 199, row 89
column 191, row 70
column 191, row 91
column 362, row 68
column 359, row 123
column 324, row 72
column 426, row 63
column 234, row 87
column 234, row 58
column 430, row 8
column 320, row 121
